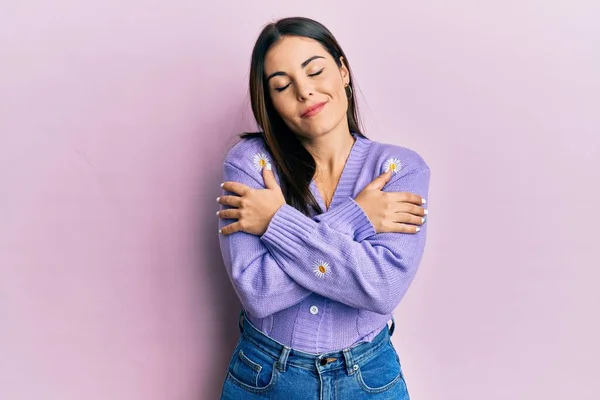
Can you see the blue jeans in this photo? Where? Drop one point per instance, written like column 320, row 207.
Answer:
column 262, row 368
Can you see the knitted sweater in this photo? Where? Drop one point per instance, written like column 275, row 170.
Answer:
column 329, row 281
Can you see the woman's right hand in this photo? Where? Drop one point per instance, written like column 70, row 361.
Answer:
column 391, row 211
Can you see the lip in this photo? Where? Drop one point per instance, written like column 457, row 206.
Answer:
column 313, row 110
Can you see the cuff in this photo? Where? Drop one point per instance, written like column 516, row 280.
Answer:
column 289, row 230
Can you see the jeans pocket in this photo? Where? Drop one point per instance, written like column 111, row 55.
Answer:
column 251, row 369
column 246, row 368
column 381, row 371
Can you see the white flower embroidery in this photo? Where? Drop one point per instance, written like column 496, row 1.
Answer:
column 321, row 268
column 394, row 164
column 260, row 161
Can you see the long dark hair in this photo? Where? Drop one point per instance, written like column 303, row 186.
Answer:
column 295, row 164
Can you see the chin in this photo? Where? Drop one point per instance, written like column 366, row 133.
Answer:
column 318, row 128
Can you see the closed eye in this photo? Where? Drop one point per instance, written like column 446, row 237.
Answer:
column 281, row 89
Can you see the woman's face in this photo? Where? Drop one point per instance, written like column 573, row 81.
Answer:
column 306, row 86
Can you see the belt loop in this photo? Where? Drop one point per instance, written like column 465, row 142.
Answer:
column 282, row 362
column 392, row 327
column 241, row 321
column 350, row 366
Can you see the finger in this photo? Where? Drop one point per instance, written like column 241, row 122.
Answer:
column 379, row 182
column 410, row 209
column 231, row 228
column 236, row 187
column 411, row 229
column 402, row 228
column 232, row 201
column 406, row 218
column 269, row 177
column 232, row 213
column 407, row 197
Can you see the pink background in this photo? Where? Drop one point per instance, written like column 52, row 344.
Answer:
column 114, row 119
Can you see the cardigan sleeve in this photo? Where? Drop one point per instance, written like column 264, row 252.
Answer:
column 262, row 286
column 336, row 254
column 372, row 274
column 259, row 281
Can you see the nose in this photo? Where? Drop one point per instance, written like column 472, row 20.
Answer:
column 304, row 89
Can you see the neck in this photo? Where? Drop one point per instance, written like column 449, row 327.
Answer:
column 331, row 150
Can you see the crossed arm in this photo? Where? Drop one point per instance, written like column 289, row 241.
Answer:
column 337, row 254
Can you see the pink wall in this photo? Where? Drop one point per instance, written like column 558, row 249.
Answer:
column 114, row 118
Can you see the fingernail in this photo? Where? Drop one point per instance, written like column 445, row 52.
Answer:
column 218, row 198
column 222, row 184
column 220, row 231
column 422, row 220
column 217, row 213
column 426, row 211
column 418, row 229
column 269, row 166
column 424, row 201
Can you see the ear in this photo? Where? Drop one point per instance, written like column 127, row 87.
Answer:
column 344, row 71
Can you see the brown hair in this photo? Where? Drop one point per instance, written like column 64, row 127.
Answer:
column 295, row 164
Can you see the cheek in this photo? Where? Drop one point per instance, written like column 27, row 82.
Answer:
column 339, row 96
column 285, row 107
column 336, row 91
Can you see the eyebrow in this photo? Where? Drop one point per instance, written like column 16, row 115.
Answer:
column 303, row 65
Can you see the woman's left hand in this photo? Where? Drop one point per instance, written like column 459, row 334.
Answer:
column 254, row 208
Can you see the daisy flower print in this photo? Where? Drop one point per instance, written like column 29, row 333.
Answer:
column 394, row 164
column 260, row 161
column 321, row 268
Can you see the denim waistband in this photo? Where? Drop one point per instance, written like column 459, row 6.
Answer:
column 284, row 355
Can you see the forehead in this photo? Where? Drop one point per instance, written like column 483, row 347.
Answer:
column 290, row 52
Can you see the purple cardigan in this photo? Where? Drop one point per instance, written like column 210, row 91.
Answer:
column 325, row 283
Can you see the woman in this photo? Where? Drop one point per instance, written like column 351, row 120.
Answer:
column 321, row 230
